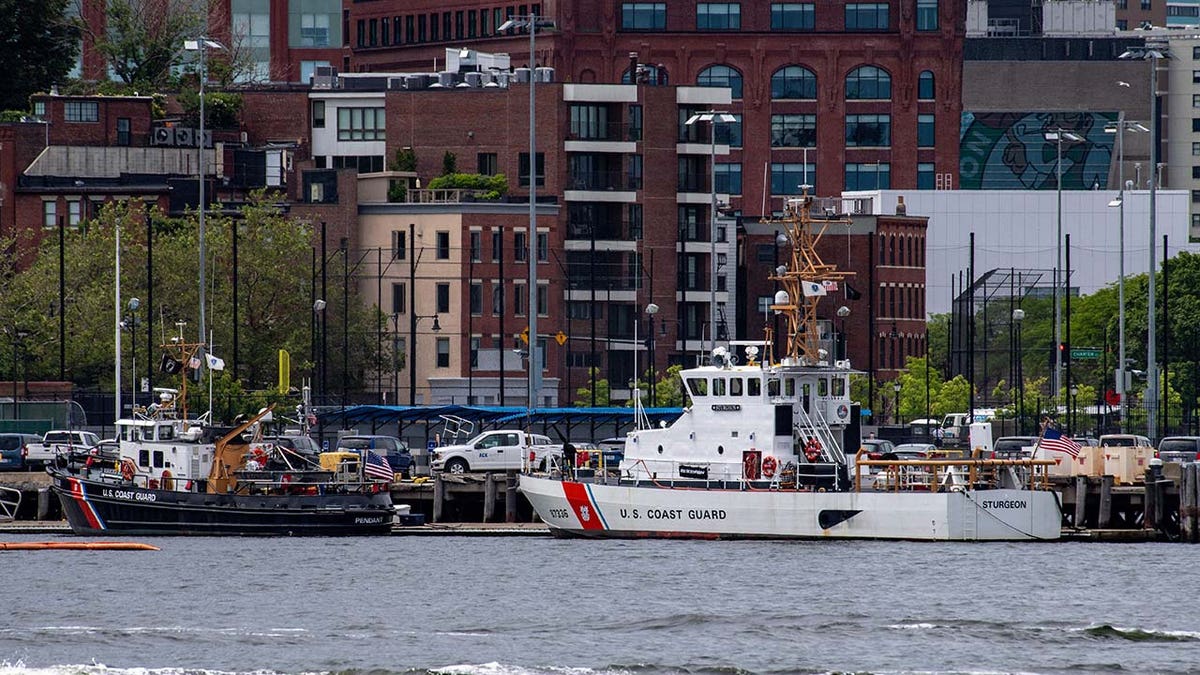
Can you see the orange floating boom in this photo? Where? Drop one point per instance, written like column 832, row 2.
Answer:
column 76, row 546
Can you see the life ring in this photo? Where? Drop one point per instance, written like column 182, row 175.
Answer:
column 769, row 465
column 812, row 451
column 128, row 470
column 168, row 483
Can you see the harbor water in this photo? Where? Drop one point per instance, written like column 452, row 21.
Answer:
column 212, row 606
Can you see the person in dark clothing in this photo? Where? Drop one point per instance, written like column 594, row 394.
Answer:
column 568, row 457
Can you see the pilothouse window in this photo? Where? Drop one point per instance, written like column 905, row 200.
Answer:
column 718, row 387
column 735, row 386
column 839, row 386
column 789, row 388
column 753, row 387
column 773, row 388
column 698, row 386
column 822, row 387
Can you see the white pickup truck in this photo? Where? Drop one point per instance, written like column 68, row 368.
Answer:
column 501, row 450
column 57, row 442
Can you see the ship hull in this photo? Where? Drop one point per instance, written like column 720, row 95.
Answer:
column 99, row 507
column 628, row 511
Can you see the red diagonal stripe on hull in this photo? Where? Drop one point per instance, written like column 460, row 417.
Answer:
column 585, row 511
column 77, row 492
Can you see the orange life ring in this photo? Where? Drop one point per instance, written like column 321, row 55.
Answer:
column 128, row 470
column 168, row 483
column 769, row 465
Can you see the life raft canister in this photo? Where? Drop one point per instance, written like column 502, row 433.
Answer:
column 769, row 465
column 168, row 482
column 812, row 451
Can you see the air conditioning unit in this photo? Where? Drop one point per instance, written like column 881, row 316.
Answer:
column 206, row 140
column 162, row 136
column 324, row 77
column 185, row 137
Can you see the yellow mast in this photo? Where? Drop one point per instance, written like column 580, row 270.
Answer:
column 805, row 268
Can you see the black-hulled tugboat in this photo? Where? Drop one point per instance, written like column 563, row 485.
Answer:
column 169, row 474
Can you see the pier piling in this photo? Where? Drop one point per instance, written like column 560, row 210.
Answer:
column 1081, row 490
column 1104, row 516
column 489, row 498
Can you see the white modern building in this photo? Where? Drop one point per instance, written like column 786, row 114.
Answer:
column 1015, row 229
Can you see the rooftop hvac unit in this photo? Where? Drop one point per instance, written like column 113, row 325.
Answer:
column 324, row 77
column 205, row 141
column 474, row 79
column 162, row 136
column 185, row 137
column 521, row 75
column 544, row 74
column 446, row 78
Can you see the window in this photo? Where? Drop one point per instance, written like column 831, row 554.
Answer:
column 643, row 16
column 868, row 176
column 729, row 178
column 308, row 69
column 1196, row 172
column 487, row 164
column 476, row 246
column 793, row 131
column 793, row 16
column 868, row 82
column 81, row 111
column 74, row 212
column 729, row 133
column 399, row 245
column 399, row 299
column 443, row 245
column 308, row 26
column 474, row 356
column 872, row 131
column 1195, row 149
column 443, row 352
column 794, row 82
column 867, row 16
column 497, row 245
column 925, row 131
column 520, row 247
column 786, row 178
column 497, row 299
column 1196, row 100
column 49, row 214
column 589, row 122
column 1196, row 196
column 925, row 85
column 543, row 300
column 476, row 298
column 318, row 114
column 523, row 169
column 927, row 14
column 373, row 32
column 543, row 247
column 1196, row 124
column 1196, row 77
column 925, row 180
column 443, row 298
column 721, row 76
column 718, row 16
column 520, row 296
column 123, row 136
column 361, row 124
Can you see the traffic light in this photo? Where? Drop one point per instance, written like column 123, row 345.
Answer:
column 1064, row 356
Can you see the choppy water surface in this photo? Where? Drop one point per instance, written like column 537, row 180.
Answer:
column 538, row 605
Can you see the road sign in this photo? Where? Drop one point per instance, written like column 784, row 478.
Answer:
column 1083, row 353
column 525, row 335
column 561, row 338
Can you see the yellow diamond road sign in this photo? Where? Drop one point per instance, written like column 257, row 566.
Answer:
column 560, row 338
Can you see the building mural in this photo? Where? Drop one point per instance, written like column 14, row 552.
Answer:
column 1009, row 150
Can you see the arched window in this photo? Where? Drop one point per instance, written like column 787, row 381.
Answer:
column 794, row 82
column 868, row 82
column 721, row 76
column 647, row 74
column 925, row 85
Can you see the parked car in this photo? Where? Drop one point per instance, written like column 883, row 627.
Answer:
column 56, row 442
column 394, row 450
column 914, row 450
column 1013, row 447
column 499, row 450
column 1124, row 440
column 12, row 450
column 1180, row 449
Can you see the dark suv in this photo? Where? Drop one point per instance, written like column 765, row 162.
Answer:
column 394, row 450
column 1013, row 447
column 1180, row 449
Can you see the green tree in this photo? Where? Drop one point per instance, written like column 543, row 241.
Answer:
column 669, row 390
column 913, row 390
column 144, row 38
column 404, row 160
column 489, row 187
column 583, row 395
column 954, row 395
column 449, row 163
column 39, row 48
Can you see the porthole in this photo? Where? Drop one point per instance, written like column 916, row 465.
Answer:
column 720, row 449
column 660, row 450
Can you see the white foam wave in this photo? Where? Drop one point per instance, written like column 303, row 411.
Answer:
column 19, row 668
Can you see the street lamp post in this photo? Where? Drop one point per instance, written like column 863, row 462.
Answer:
column 1058, row 136
column 1119, row 129
column 18, row 342
column 896, row 388
column 1018, row 316
column 412, row 352
column 1152, row 53
column 713, row 117
column 1074, row 416
column 202, row 45
column 131, row 323
column 531, row 22
column 318, row 309
column 842, row 345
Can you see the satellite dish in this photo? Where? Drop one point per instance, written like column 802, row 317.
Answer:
column 782, row 298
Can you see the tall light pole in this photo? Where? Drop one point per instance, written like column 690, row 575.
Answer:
column 1018, row 316
column 532, row 22
column 1058, row 136
column 713, row 117
column 1151, row 52
column 201, row 44
column 1119, row 129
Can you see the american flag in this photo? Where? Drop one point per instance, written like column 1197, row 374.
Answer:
column 1053, row 439
column 377, row 467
